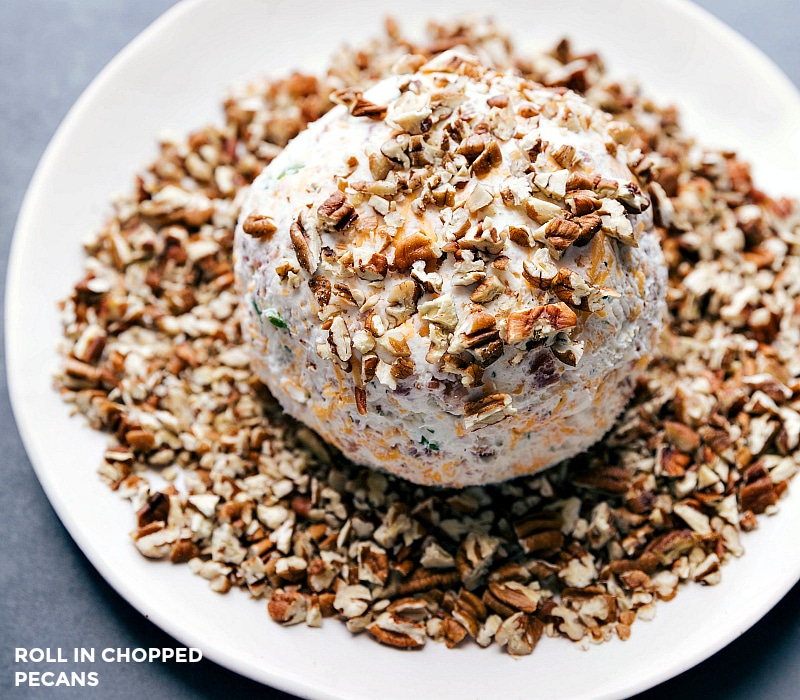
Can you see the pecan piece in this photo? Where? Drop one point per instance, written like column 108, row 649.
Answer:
column 581, row 204
column 487, row 291
column 469, row 611
column 521, row 235
column 564, row 155
column 490, row 158
column 422, row 580
column 307, row 246
column 182, row 551
column 336, row 213
column 140, row 440
column 360, row 396
column 515, row 595
column 757, row 492
column 365, row 108
column 671, row 545
column 474, row 558
column 320, row 287
column 353, row 99
column 369, row 367
column 592, row 602
column 397, row 631
column 539, row 532
column 519, row 634
column 472, row 147
column 339, row 339
column 287, row 607
column 674, row 462
column 539, row 322
column 589, row 224
column 479, row 335
column 646, row 563
column 352, row 601
column 682, row 436
column 155, row 509
column 498, row 101
column 560, row 234
column 373, row 269
column 609, row 479
column 496, row 605
column 575, row 291
column 411, row 247
column 402, row 368
column 488, row 411
column 373, row 564
column 259, row 226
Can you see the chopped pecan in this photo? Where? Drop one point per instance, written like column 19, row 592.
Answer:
column 422, row 580
column 373, row 269
column 259, row 226
column 489, row 158
column 610, row 479
column 472, row 147
column 454, row 632
column 487, row 291
column 647, row 563
column 307, row 246
column 336, row 213
column 352, row 600
column 410, row 247
column 757, row 492
column 469, row 611
column 496, row 605
column 182, row 551
column 140, row 440
column 339, row 339
column 474, row 557
column 287, row 607
column 682, row 436
column 539, row 532
column 590, row 224
column 671, row 545
column 478, row 199
column 498, row 101
column 575, row 291
column 402, row 368
column 360, row 395
column 516, row 596
column 397, row 631
column 541, row 211
column 373, row 564
column 560, row 234
column 353, row 99
column 521, row 235
column 582, row 203
column 539, row 322
column 674, row 462
column 321, row 289
column 478, row 334
column 487, row 411
column 155, row 509
column 519, row 634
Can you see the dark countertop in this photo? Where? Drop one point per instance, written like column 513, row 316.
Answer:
column 50, row 595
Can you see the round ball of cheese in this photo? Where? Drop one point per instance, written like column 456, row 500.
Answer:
column 452, row 277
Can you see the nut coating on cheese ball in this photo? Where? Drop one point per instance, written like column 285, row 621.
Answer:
column 453, row 276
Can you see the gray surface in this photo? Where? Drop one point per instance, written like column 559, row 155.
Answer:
column 50, row 595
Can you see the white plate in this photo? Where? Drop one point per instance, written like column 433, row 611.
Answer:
column 174, row 75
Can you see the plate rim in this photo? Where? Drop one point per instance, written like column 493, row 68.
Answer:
column 709, row 22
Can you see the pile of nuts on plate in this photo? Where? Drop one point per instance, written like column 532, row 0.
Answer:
column 220, row 479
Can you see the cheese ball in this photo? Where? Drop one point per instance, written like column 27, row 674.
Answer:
column 452, row 277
